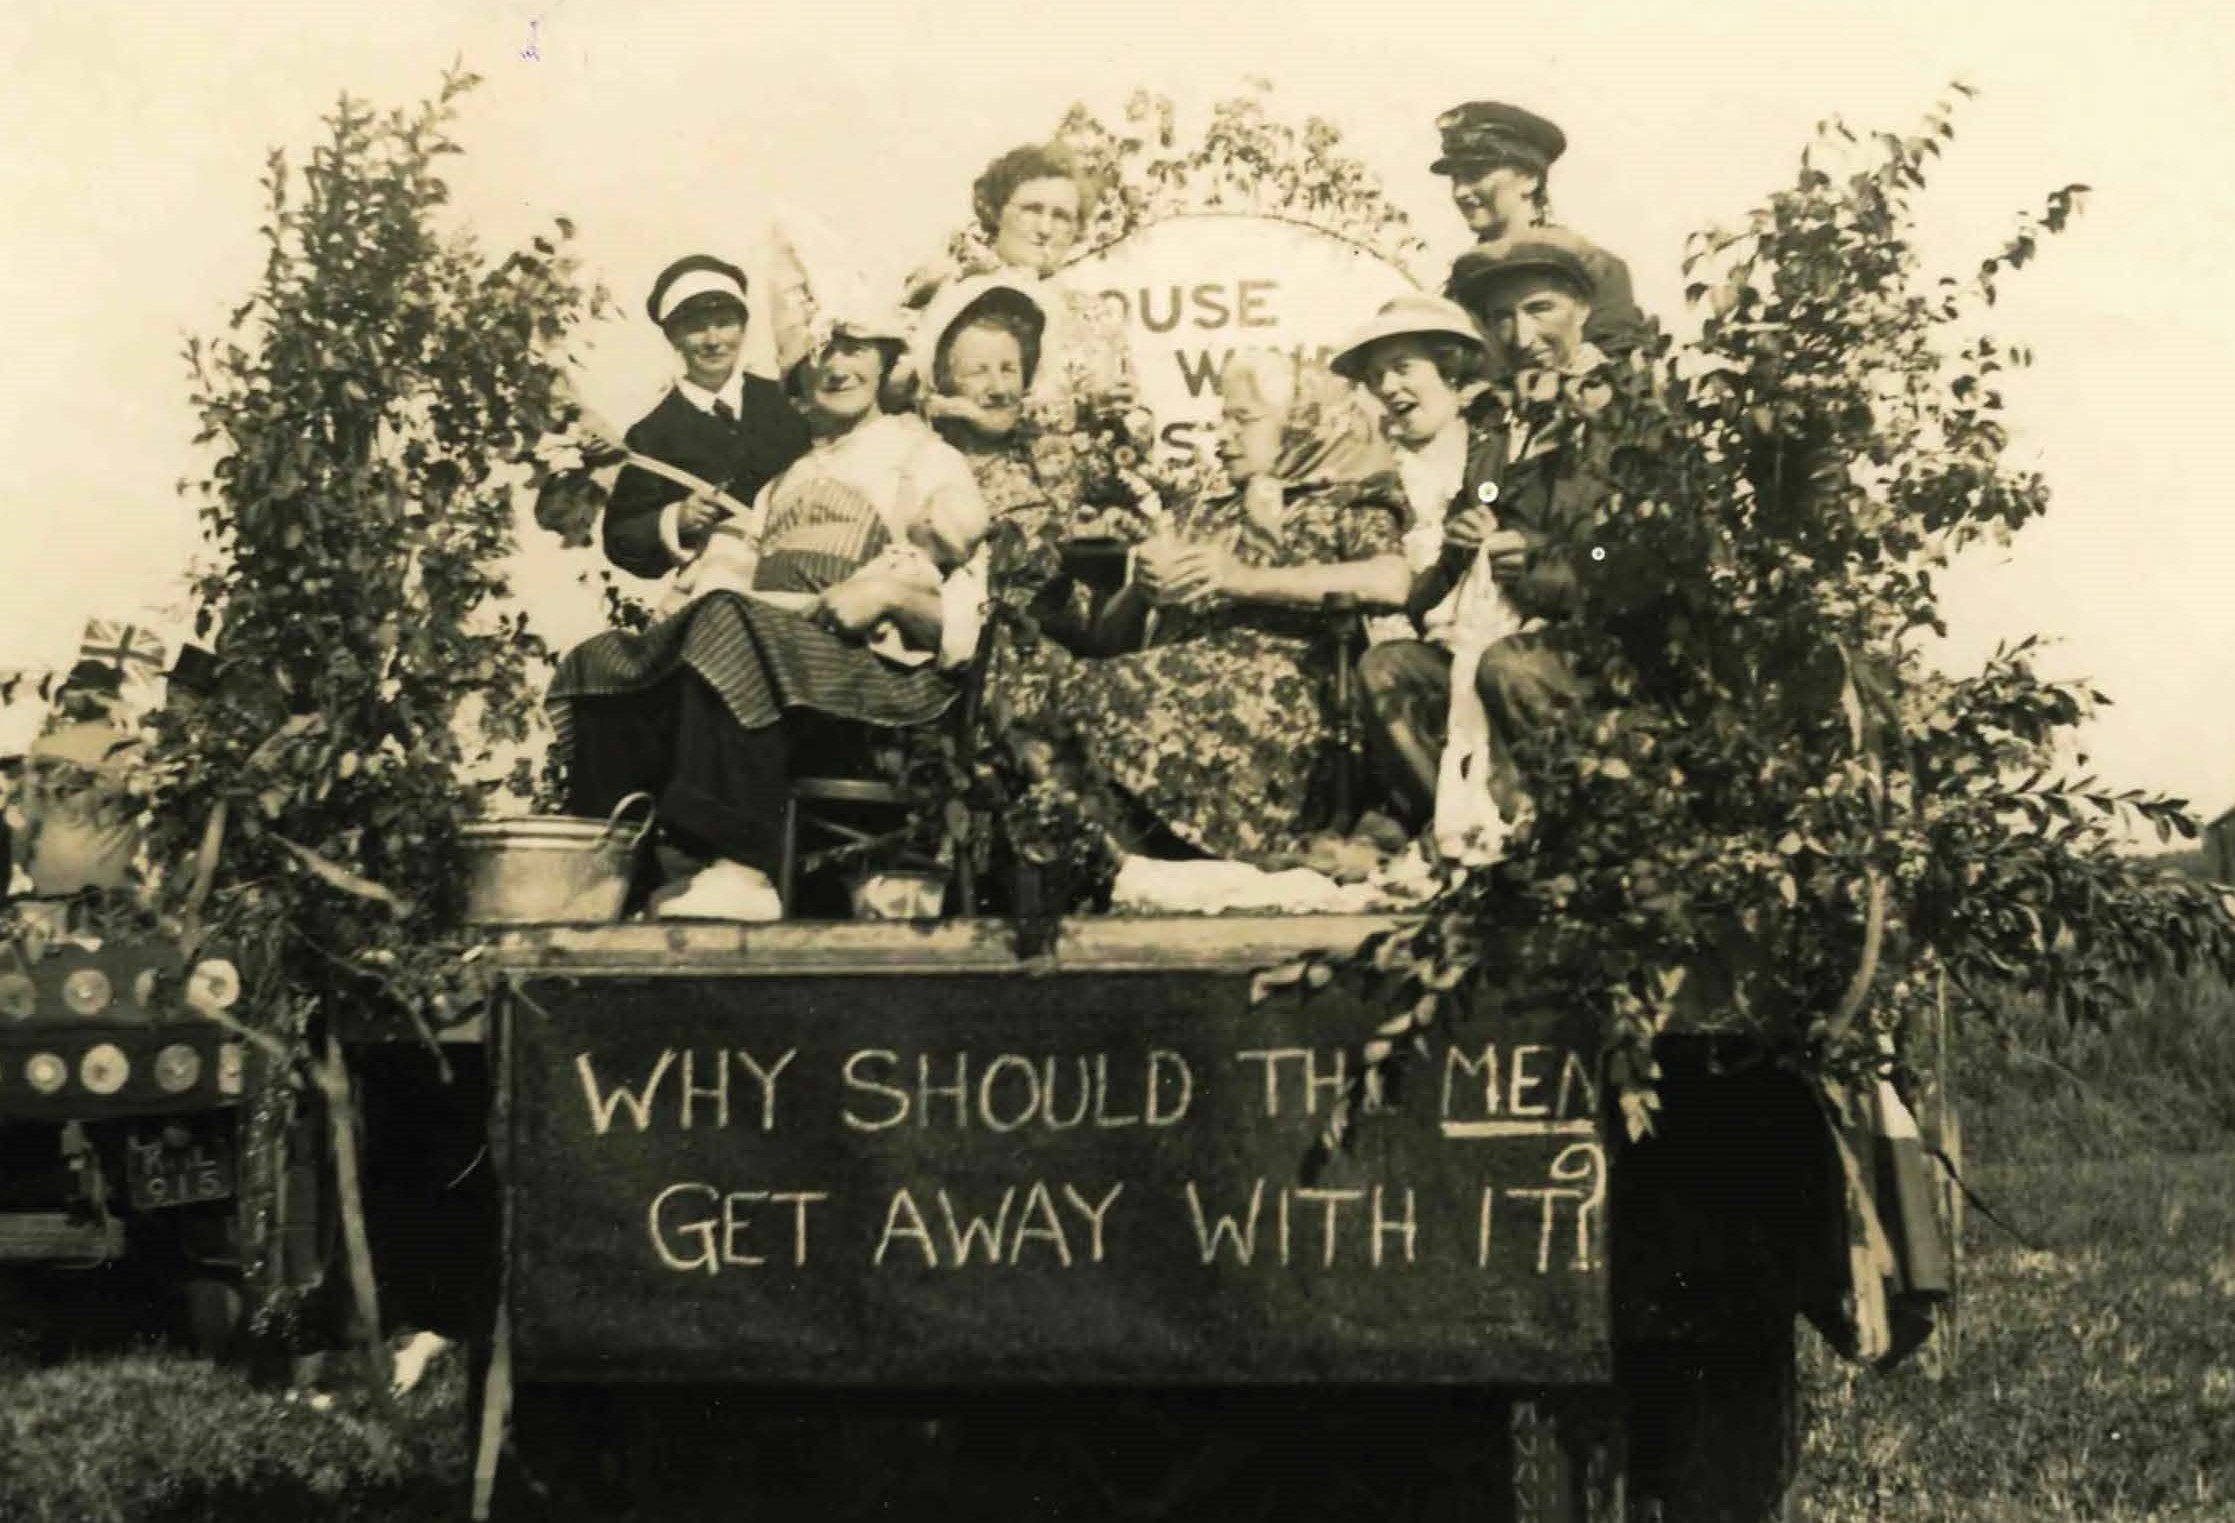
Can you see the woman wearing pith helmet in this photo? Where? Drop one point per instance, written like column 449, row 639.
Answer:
column 721, row 424
column 1030, row 210
column 1425, row 363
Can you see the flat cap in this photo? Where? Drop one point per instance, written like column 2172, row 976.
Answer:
column 1479, row 133
column 1539, row 250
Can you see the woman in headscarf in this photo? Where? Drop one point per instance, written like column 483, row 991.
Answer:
column 1030, row 205
column 852, row 592
column 1219, row 727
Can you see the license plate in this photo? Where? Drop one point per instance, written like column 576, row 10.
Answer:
column 158, row 1174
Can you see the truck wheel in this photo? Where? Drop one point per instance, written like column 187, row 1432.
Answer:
column 1713, row 1428
column 214, row 1310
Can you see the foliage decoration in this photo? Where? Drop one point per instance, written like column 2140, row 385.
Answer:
column 1772, row 816
column 367, row 407
column 1247, row 160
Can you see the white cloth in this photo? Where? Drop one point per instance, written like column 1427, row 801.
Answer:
column 1149, row 885
column 1472, row 618
column 722, row 890
column 1467, row 826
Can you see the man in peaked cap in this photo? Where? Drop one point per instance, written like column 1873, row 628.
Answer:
column 1498, row 158
column 717, row 422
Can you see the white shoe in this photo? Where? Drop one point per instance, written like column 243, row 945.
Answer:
column 724, row 890
column 411, row 1360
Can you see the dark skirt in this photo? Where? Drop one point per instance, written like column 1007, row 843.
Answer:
column 759, row 659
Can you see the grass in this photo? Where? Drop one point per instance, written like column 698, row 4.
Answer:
column 159, row 1438
column 2094, row 1376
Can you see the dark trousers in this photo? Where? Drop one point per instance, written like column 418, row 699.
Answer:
column 1407, row 688
column 719, row 787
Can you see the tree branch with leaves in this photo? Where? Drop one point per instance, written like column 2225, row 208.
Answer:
column 368, row 410
column 1774, row 818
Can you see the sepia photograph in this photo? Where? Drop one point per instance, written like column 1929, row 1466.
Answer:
column 1135, row 761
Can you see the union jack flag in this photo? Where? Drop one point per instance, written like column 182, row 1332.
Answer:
column 133, row 651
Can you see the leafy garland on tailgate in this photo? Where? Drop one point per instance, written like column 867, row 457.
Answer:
column 1775, row 818
column 366, row 409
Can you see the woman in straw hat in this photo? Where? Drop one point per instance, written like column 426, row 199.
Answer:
column 852, row 592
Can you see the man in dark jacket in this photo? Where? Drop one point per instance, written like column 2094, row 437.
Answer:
column 1497, row 158
column 726, row 427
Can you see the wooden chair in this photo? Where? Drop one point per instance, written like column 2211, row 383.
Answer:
column 962, row 721
column 1346, row 632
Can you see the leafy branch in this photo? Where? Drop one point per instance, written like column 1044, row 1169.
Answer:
column 1775, row 818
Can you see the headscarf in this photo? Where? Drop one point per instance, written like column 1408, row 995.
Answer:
column 1328, row 435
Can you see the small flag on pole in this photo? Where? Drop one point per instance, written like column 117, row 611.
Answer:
column 133, row 651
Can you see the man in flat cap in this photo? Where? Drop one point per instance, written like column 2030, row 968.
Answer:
column 1445, row 708
column 1497, row 158
column 726, row 427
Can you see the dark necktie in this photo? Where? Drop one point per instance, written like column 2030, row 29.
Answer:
column 724, row 411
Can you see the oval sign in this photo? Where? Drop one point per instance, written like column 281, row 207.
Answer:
column 1192, row 289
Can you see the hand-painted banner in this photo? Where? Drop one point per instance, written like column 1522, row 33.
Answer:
column 987, row 1178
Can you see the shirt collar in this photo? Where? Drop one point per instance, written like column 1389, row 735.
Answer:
column 731, row 391
column 1433, row 472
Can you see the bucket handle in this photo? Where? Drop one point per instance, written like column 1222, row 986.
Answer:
column 616, row 822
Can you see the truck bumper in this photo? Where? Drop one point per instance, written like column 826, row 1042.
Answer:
column 46, row 1237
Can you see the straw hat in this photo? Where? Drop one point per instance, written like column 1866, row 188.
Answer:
column 1412, row 315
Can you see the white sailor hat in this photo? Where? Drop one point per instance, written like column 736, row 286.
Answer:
column 694, row 281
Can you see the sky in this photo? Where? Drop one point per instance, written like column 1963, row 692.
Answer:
column 137, row 131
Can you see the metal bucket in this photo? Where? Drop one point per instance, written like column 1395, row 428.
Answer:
column 544, row 868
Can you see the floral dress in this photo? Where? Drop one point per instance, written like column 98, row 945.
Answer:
column 1087, row 359
column 1221, row 727
column 1028, row 523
